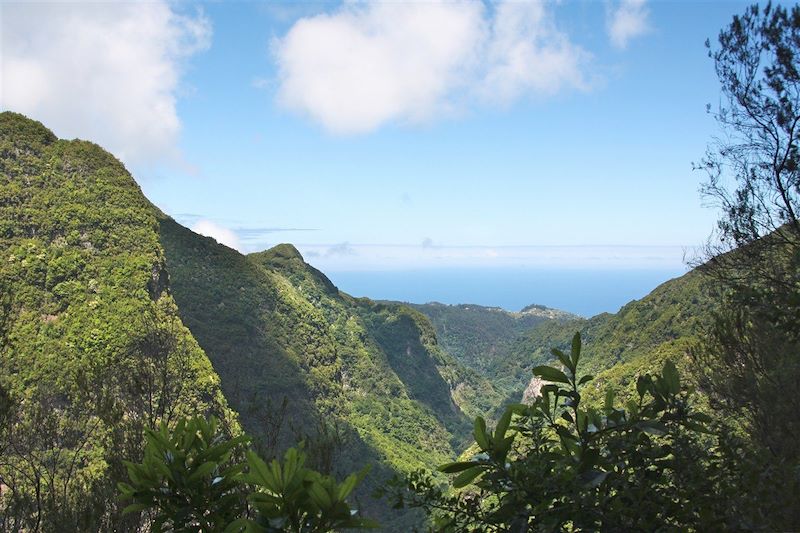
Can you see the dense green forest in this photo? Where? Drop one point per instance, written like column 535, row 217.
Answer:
column 92, row 349
column 119, row 323
column 358, row 380
column 116, row 319
column 619, row 346
column 153, row 379
column 485, row 338
column 504, row 347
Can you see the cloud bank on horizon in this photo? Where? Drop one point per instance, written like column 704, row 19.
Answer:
column 347, row 257
column 104, row 71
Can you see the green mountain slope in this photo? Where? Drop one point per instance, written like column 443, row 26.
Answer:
column 620, row 346
column 503, row 347
column 103, row 297
column 113, row 317
column 276, row 330
column 479, row 337
column 92, row 350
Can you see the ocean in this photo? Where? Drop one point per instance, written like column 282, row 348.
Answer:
column 583, row 292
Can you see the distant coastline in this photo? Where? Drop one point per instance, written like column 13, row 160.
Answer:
column 585, row 292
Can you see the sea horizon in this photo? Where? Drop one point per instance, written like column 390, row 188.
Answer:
column 584, row 292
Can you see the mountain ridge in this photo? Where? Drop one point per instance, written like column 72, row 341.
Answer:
column 93, row 272
column 277, row 328
column 92, row 350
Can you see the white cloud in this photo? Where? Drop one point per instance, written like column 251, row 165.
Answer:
column 370, row 63
column 528, row 54
column 366, row 64
column 219, row 233
column 626, row 21
column 103, row 71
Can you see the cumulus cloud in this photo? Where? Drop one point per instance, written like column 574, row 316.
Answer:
column 369, row 63
column 526, row 53
column 104, row 71
column 366, row 64
column 627, row 20
column 219, row 233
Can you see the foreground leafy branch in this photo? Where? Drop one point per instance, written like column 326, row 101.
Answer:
column 194, row 478
column 651, row 463
column 557, row 464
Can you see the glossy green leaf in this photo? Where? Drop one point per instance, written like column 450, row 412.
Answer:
column 576, row 351
column 502, row 425
column 467, row 476
column 479, row 432
column 550, row 374
column 561, row 357
column 671, row 377
column 453, row 468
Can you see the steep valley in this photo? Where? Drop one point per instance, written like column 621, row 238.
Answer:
column 503, row 347
column 106, row 300
column 115, row 318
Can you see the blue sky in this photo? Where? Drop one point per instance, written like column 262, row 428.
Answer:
column 393, row 135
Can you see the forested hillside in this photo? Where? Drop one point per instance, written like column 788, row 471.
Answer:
column 115, row 321
column 92, row 350
column 482, row 338
column 99, row 323
column 359, row 380
column 503, row 346
column 94, row 341
column 155, row 380
column 638, row 338
column 477, row 335
column 618, row 346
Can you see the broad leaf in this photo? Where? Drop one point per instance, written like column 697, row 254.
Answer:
column 550, row 374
